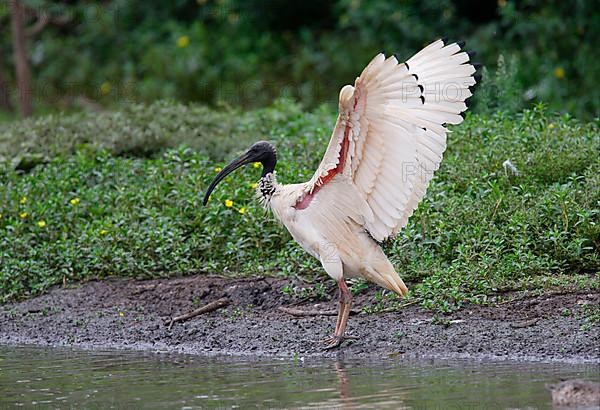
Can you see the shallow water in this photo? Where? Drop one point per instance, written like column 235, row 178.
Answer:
column 61, row 378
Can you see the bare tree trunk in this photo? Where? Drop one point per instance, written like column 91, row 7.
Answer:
column 20, row 53
column 5, row 103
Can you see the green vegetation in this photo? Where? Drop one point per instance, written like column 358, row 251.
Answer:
column 139, row 131
column 591, row 316
column 90, row 196
column 248, row 52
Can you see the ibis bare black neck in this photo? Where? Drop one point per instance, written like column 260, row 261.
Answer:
column 269, row 162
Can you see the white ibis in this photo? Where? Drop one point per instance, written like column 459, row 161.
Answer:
column 387, row 142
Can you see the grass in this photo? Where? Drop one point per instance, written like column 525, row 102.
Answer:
column 138, row 131
column 91, row 196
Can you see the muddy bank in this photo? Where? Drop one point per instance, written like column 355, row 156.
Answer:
column 125, row 313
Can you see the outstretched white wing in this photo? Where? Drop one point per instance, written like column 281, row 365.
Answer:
column 391, row 131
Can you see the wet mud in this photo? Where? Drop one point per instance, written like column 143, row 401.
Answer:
column 135, row 314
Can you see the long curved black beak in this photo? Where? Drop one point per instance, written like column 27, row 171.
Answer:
column 232, row 166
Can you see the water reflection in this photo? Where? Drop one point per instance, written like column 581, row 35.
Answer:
column 343, row 385
column 68, row 378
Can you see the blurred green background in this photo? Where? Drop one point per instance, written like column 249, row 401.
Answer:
column 93, row 55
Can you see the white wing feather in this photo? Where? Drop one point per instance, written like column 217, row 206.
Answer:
column 393, row 122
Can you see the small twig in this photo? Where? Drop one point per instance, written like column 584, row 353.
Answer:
column 217, row 304
column 300, row 312
column 39, row 25
column 526, row 323
column 495, row 209
column 299, row 302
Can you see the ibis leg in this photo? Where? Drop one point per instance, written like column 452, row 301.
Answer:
column 343, row 314
column 347, row 298
column 329, row 339
column 339, row 317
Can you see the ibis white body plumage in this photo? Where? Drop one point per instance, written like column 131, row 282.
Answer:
column 332, row 229
column 386, row 145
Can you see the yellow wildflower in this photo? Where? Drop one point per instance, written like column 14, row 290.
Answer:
column 41, row 223
column 105, row 88
column 103, row 231
column 74, row 201
column 256, row 165
column 183, row 41
column 551, row 126
column 23, row 200
column 218, row 169
column 254, row 185
column 228, row 203
column 242, row 210
column 23, row 215
column 559, row 73
column 121, row 314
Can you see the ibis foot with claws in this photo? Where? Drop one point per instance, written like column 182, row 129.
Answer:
column 334, row 341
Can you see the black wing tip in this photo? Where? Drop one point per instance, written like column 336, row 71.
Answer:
column 422, row 99
column 421, row 88
column 477, row 66
column 416, row 77
column 477, row 77
column 471, row 54
column 446, row 41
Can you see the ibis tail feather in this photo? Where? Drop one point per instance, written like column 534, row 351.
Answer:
column 387, row 278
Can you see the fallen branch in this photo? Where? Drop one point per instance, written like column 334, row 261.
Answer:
column 300, row 312
column 525, row 323
column 212, row 306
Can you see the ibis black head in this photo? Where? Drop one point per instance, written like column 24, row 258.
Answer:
column 260, row 151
